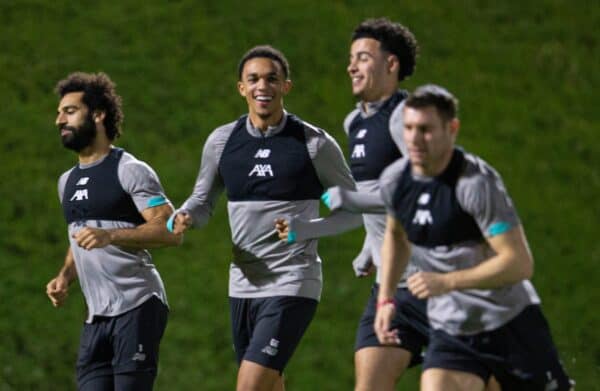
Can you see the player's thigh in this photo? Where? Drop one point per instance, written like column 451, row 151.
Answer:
column 137, row 335
column 94, row 358
column 437, row 379
column 378, row 368
column 97, row 383
column 281, row 323
column 256, row 377
column 138, row 381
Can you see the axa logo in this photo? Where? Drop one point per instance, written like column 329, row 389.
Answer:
column 422, row 217
column 82, row 181
column 358, row 151
column 261, row 170
column 361, row 133
column 262, row 154
column 80, row 195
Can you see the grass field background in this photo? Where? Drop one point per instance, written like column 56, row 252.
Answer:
column 526, row 73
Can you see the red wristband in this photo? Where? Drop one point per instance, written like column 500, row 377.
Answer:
column 383, row 302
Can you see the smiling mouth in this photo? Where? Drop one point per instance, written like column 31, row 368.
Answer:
column 263, row 98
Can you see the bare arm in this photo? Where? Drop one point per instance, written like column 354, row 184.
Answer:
column 153, row 233
column 512, row 263
column 57, row 289
column 395, row 252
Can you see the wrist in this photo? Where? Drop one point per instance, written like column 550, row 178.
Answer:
column 68, row 275
column 382, row 302
column 450, row 281
column 112, row 235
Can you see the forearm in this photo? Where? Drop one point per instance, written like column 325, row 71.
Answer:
column 512, row 263
column 333, row 224
column 495, row 272
column 149, row 235
column 68, row 271
column 395, row 253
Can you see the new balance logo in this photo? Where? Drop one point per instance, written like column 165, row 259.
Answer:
column 83, row 181
column 424, row 199
column 361, row 133
column 81, row 194
column 422, row 217
column 261, row 170
column 262, row 154
column 272, row 348
column 139, row 355
column 358, row 151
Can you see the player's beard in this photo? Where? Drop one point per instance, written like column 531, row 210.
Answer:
column 81, row 136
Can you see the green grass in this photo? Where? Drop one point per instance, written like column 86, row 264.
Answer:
column 526, row 74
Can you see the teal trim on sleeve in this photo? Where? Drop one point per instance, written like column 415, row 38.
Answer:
column 291, row 237
column 156, row 201
column 170, row 223
column 498, row 228
column 326, row 200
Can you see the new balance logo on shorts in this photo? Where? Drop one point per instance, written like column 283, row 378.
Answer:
column 139, row 355
column 271, row 348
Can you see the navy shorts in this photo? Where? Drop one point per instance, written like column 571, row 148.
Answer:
column 410, row 320
column 122, row 344
column 268, row 330
column 520, row 354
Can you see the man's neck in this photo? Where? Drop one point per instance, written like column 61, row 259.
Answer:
column 263, row 124
column 93, row 153
column 375, row 101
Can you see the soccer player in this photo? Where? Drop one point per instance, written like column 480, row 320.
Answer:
column 474, row 259
column 271, row 164
column 382, row 54
column 115, row 209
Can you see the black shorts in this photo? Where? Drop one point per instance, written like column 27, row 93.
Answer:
column 410, row 320
column 268, row 330
column 520, row 354
column 123, row 343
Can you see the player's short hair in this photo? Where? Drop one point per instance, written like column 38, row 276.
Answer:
column 393, row 38
column 98, row 94
column 433, row 95
column 265, row 51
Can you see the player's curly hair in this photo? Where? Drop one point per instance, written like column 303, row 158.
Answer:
column 426, row 95
column 264, row 51
column 394, row 38
column 98, row 94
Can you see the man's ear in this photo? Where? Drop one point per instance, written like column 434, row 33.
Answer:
column 287, row 86
column 393, row 64
column 98, row 116
column 241, row 88
column 454, row 127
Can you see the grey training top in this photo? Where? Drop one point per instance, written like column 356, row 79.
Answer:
column 480, row 193
column 115, row 279
column 368, row 199
column 262, row 264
